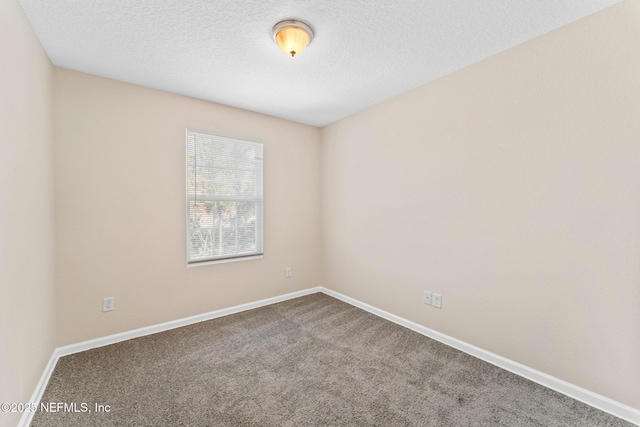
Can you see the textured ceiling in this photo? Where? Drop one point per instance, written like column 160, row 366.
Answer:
column 364, row 51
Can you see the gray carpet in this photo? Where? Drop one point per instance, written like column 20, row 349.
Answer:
column 310, row 361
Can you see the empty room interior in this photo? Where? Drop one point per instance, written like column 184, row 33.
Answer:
column 483, row 155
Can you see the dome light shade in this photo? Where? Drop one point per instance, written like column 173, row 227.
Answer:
column 292, row 36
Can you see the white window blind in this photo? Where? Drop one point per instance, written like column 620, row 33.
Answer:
column 224, row 197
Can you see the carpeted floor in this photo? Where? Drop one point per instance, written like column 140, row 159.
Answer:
column 310, row 361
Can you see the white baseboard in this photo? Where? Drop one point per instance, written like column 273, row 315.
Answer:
column 578, row 393
column 590, row 398
column 26, row 418
column 154, row 329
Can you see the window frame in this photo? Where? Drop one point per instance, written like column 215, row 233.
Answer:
column 259, row 205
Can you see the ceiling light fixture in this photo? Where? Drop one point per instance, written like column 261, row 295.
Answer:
column 292, row 36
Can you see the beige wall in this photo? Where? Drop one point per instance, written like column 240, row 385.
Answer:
column 512, row 188
column 120, row 208
column 26, row 209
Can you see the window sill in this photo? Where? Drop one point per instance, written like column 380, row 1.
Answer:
column 222, row 261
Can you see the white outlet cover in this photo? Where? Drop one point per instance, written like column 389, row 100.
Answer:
column 437, row 300
column 426, row 298
column 108, row 304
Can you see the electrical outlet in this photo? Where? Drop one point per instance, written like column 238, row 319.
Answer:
column 437, row 300
column 289, row 272
column 108, row 303
column 426, row 298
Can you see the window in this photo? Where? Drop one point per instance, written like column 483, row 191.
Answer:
column 224, row 198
